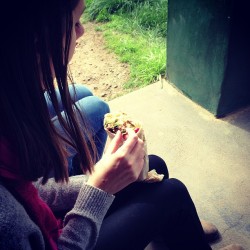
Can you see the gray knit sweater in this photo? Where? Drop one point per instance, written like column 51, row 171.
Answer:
column 87, row 205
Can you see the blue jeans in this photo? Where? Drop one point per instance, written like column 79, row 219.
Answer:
column 92, row 108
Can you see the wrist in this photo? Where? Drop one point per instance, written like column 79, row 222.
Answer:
column 100, row 184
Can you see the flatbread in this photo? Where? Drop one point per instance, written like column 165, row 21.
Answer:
column 121, row 121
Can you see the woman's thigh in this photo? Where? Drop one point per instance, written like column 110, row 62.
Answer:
column 144, row 211
column 137, row 215
column 77, row 92
column 135, row 209
column 92, row 109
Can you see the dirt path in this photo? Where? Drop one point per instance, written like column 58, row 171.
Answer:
column 96, row 67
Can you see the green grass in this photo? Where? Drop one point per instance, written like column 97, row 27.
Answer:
column 136, row 31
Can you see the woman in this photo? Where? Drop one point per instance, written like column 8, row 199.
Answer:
column 106, row 208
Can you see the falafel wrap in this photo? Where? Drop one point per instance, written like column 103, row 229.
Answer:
column 121, row 121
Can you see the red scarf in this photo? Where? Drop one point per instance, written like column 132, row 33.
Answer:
column 26, row 193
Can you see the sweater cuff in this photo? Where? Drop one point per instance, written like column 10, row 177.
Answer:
column 93, row 202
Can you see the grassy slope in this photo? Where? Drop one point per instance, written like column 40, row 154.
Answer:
column 137, row 34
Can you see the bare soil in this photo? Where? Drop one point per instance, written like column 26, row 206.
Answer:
column 96, row 67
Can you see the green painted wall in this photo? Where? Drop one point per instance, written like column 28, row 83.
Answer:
column 198, row 46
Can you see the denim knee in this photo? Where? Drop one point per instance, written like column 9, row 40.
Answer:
column 92, row 104
column 103, row 105
column 79, row 91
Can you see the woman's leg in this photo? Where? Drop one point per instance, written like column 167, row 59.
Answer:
column 157, row 163
column 143, row 211
column 77, row 92
column 93, row 109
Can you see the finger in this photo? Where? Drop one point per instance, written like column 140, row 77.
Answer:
column 115, row 143
column 138, row 151
column 129, row 131
column 130, row 142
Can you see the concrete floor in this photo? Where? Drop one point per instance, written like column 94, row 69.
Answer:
column 211, row 156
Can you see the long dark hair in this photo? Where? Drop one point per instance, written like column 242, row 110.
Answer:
column 37, row 34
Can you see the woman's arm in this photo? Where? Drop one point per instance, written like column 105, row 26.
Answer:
column 83, row 222
column 87, row 207
column 60, row 196
column 120, row 166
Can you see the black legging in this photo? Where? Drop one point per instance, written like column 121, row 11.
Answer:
column 144, row 211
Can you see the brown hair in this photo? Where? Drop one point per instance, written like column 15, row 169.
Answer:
column 37, row 36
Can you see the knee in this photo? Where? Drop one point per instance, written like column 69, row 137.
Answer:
column 169, row 193
column 157, row 163
column 102, row 106
column 79, row 91
column 93, row 106
column 179, row 187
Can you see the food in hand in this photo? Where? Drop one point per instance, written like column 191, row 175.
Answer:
column 121, row 121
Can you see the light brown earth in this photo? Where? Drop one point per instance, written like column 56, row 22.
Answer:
column 96, row 67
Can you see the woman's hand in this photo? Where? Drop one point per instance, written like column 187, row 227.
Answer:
column 121, row 164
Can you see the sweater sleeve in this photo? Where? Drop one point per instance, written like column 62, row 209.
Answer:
column 60, row 196
column 83, row 222
column 87, row 207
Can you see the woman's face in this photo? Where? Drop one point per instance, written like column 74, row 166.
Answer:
column 77, row 29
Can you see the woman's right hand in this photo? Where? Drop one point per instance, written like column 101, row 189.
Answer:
column 121, row 164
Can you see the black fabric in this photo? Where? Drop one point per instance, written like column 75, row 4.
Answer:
column 144, row 211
